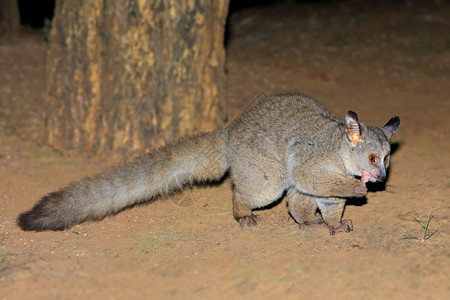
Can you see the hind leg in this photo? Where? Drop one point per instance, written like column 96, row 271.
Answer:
column 303, row 209
column 242, row 211
column 254, row 189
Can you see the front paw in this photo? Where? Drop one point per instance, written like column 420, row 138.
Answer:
column 346, row 226
column 360, row 189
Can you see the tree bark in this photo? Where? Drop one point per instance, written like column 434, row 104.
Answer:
column 128, row 75
column 9, row 19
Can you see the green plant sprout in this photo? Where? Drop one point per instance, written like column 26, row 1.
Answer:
column 426, row 233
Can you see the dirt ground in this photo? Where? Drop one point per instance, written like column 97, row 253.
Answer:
column 383, row 60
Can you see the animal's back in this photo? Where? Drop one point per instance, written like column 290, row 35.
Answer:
column 269, row 126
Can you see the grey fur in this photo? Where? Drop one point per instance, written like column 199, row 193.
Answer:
column 286, row 143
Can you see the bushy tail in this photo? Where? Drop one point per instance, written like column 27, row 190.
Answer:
column 196, row 159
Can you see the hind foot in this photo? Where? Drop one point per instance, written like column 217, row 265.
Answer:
column 249, row 221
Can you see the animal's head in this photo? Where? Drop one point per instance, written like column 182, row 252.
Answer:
column 369, row 148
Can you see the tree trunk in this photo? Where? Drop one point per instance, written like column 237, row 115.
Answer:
column 130, row 74
column 9, row 19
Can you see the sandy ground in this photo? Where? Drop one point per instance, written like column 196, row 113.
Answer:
column 386, row 60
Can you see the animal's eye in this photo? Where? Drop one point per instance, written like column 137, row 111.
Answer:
column 386, row 159
column 373, row 158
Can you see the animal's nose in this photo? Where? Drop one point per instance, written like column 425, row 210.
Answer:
column 381, row 175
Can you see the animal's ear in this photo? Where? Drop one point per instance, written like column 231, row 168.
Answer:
column 391, row 126
column 352, row 129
